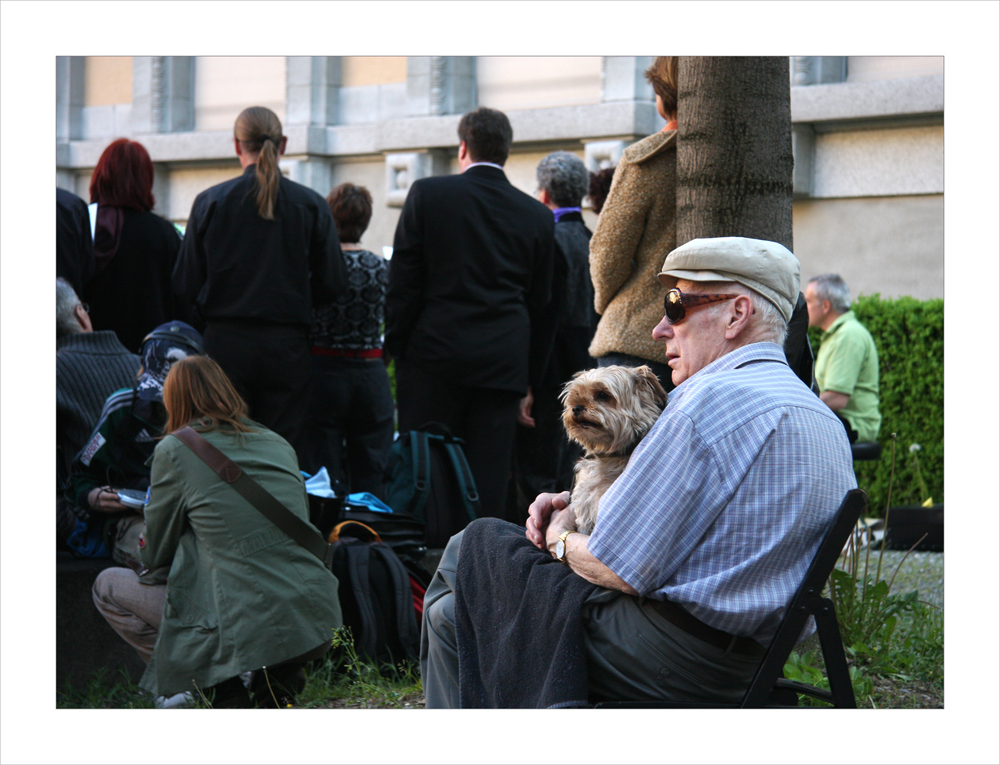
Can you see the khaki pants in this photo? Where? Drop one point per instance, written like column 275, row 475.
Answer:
column 133, row 610
column 125, row 545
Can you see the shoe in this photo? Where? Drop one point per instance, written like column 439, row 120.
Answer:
column 177, row 701
column 277, row 687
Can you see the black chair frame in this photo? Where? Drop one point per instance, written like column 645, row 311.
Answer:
column 769, row 688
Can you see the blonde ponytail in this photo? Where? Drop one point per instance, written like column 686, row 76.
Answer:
column 259, row 130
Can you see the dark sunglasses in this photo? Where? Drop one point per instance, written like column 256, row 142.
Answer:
column 676, row 304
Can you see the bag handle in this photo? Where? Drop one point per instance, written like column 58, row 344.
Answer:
column 254, row 493
column 352, row 528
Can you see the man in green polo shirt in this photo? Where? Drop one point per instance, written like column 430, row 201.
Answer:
column 847, row 363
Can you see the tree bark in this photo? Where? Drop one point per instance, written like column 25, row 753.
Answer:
column 734, row 163
column 734, row 150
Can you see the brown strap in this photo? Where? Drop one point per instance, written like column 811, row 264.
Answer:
column 261, row 499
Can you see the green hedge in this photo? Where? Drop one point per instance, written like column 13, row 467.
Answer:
column 909, row 335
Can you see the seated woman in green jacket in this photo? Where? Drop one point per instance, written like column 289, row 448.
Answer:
column 224, row 591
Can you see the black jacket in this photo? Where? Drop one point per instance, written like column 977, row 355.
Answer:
column 235, row 265
column 470, row 281
column 133, row 295
column 74, row 246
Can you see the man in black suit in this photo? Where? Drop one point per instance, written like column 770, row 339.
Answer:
column 466, row 308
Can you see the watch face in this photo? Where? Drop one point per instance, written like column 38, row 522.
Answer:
column 560, row 549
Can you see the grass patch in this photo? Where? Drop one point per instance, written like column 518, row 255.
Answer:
column 342, row 678
column 104, row 691
column 892, row 640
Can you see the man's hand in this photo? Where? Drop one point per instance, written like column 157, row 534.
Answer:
column 105, row 500
column 524, row 411
column 539, row 514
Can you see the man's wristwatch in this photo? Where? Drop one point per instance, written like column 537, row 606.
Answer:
column 560, row 550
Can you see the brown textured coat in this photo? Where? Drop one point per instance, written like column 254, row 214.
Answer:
column 636, row 230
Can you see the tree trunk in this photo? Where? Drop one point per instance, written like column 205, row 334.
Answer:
column 734, row 150
column 734, row 163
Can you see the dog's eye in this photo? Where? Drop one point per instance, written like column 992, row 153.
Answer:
column 603, row 396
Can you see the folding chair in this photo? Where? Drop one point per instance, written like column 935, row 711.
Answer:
column 769, row 688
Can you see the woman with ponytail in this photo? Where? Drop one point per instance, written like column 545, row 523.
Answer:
column 258, row 252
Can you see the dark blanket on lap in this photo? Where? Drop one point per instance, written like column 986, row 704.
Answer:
column 517, row 622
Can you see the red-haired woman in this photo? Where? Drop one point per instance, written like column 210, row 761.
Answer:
column 134, row 249
column 258, row 251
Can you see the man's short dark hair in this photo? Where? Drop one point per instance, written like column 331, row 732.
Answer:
column 487, row 134
column 564, row 177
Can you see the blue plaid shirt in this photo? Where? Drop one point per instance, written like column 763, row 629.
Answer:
column 724, row 503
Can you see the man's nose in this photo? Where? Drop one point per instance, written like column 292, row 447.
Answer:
column 663, row 330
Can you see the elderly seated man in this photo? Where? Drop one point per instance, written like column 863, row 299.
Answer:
column 699, row 544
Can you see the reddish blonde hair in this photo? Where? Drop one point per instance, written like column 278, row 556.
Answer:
column 124, row 177
column 197, row 391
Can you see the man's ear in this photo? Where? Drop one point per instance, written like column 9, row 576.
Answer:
column 283, row 144
column 740, row 312
column 83, row 318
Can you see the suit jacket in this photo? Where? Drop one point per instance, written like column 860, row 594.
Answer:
column 470, row 281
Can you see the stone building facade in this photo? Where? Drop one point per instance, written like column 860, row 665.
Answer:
column 868, row 136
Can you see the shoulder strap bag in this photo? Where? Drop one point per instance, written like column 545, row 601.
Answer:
column 256, row 495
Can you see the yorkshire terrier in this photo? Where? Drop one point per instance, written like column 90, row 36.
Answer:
column 607, row 411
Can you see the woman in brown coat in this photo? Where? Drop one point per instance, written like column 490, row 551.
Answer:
column 636, row 230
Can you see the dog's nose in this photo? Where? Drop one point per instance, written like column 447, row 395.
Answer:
column 577, row 409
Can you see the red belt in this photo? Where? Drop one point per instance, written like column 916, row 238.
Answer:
column 347, row 353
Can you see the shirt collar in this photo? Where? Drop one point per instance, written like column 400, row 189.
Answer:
column 561, row 211
column 487, row 164
column 733, row 359
column 841, row 321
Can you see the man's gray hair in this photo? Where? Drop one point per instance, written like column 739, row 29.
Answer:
column 831, row 287
column 771, row 325
column 66, row 303
column 564, row 177
column 767, row 324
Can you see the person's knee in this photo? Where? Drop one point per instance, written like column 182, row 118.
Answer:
column 440, row 618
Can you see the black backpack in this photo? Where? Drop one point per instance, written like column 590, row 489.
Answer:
column 428, row 477
column 376, row 595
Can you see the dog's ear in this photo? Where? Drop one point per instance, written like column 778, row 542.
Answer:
column 564, row 393
column 646, row 377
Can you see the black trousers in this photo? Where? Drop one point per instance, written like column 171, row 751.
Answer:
column 350, row 423
column 485, row 418
column 271, row 368
column 544, row 456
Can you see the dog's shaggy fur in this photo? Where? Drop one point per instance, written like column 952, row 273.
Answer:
column 607, row 411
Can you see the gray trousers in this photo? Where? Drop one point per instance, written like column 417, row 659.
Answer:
column 633, row 653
